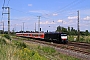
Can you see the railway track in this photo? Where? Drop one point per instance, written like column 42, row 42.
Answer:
column 81, row 45
column 78, row 47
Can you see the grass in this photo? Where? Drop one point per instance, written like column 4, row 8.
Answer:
column 49, row 52
column 65, row 57
column 7, row 52
column 82, row 39
column 26, row 54
column 19, row 50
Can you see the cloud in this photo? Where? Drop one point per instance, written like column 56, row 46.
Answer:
column 72, row 18
column 29, row 4
column 87, row 18
column 47, row 22
column 85, row 12
column 35, row 11
column 60, row 21
column 43, row 12
column 55, row 14
column 23, row 18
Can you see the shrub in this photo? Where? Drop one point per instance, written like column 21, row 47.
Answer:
column 2, row 41
column 20, row 44
column 36, row 56
column 48, row 50
column 88, row 40
column 71, row 38
column 7, row 36
column 26, row 54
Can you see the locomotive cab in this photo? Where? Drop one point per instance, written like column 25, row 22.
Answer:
column 64, row 38
column 56, row 37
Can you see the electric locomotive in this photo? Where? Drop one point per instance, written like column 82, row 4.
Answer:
column 57, row 37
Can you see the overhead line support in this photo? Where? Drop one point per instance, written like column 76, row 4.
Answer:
column 38, row 23
column 78, row 27
column 8, row 17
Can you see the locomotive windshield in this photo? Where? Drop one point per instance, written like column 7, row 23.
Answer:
column 63, row 34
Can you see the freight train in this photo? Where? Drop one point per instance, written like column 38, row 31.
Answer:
column 57, row 37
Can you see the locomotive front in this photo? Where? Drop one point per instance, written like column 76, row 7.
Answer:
column 64, row 38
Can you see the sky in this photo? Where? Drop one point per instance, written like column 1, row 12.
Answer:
column 52, row 13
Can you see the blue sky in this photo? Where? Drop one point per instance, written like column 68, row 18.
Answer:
column 53, row 13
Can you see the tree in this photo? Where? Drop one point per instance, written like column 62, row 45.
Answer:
column 72, row 29
column 1, row 31
column 68, row 29
column 59, row 29
column 64, row 29
column 86, row 33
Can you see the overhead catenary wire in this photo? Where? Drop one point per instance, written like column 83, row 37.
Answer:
column 8, row 2
column 55, row 11
column 8, row 15
column 73, row 3
column 2, row 16
column 4, row 3
column 65, row 7
column 61, row 10
column 22, row 11
column 36, row 15
column 43, row 16
column 3, row 10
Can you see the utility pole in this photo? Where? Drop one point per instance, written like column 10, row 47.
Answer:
column 8, row 17
column 3, row 27
column 35, row 27
column 78, row 26
column 38, row 23
column 23, row 27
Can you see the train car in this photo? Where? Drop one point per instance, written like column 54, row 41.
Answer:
column 57, row 37
column 31, row 35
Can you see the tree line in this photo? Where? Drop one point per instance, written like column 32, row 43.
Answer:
column 71, row 31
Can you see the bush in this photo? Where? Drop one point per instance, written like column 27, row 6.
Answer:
column 48, row 50
column 2, row 41
column 7, row 36
column 20, row 44
column 26, row 54
column 81, row 39
column 88, row 40
column 71, row 38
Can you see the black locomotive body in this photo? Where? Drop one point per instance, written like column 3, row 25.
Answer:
column 56, row 37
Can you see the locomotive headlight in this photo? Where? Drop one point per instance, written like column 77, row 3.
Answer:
column 63, row 37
